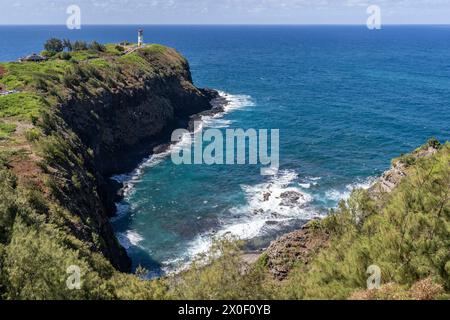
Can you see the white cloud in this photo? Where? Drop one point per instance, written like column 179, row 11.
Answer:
column 222, row 11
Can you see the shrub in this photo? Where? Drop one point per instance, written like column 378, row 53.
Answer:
column 6, row 129
column 408, row 238
column 67, row 44
column 222, row 274
column 54, row 45
column 47, row 54
column 64, row 56
column 95, row 46
column 79, row 46
column 32, row 134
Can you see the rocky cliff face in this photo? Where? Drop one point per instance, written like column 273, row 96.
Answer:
column 110, row 113
column 399, row 170
column 121, row 125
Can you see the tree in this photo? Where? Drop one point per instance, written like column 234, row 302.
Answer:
column 95, row 46
column 54, row 45
column 67, row 44
column 79, row 46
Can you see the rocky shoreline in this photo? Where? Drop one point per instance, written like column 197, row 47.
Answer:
column 116, row 189
column 299, row 246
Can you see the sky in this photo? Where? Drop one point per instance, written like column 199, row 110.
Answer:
column 21, row 12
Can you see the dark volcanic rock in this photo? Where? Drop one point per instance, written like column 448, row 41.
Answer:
column 297, row 246
column 290, row 198
column 115, row 128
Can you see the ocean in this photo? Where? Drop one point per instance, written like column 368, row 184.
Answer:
column 345, row 99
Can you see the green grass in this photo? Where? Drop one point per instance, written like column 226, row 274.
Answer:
column 84, row 55
column 20, row 76
column 112, row 49
column 22, row 105
column 155, row 48
column 134, row 60
column 6, row 129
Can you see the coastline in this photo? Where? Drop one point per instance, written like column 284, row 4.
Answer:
column 254, row 246
column 117, row 184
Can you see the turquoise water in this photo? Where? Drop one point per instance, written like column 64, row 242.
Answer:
column 346, row 101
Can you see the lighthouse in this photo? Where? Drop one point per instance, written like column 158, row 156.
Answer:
column 140, row 37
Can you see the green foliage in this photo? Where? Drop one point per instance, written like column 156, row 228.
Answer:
column 155, row 48
column 36, row 251
column 408, row 238
column 67, row 44
column 21, row 76
column 95, row 46
column 64, row 56
column 79, row 46
column 434, row 143
column 222, row 274
column 54, row 45
column 47, row 54
column 23, row 105
column 6, row 129
column 33, row 134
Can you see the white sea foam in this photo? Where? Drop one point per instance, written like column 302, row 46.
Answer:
column 234, row 102
column 337, row 195
column 265, row 210
column 129, row 238
column 132, row 238
column 267, row 198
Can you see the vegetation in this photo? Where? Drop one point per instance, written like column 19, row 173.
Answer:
column 221, row 274
column 6, row 129
column 407, row 236
column 54, row 45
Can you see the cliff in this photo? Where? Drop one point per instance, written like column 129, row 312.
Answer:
column 74, row 121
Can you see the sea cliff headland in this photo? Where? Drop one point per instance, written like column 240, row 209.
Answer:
column 67, row 124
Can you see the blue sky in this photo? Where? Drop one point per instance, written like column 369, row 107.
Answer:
column 224, row 11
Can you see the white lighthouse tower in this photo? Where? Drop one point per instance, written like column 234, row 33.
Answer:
column 140, row 37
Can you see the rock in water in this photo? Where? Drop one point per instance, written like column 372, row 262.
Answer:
column 291, row 198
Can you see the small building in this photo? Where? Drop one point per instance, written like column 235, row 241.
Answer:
column 33, row 58
column 140, row 37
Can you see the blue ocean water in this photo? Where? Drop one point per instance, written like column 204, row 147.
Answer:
column 346, row 100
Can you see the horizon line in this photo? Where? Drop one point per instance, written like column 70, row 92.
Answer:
column 226, row 24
